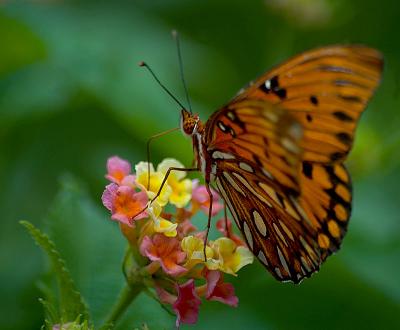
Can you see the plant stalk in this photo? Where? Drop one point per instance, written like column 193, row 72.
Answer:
column 127, row 295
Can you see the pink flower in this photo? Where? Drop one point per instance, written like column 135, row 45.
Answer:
column 124, row 203
column 166, row 250
column 187, row 305
column 227, row 232
column 220, row 291
column 201, row 199
column 117, row 169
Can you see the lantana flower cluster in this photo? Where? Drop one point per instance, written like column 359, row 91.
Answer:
column 170, row 246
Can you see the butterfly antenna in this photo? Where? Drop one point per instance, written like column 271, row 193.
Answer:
column 175, row 35
column 143, row 64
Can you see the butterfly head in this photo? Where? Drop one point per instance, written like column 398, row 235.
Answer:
column 190, row 124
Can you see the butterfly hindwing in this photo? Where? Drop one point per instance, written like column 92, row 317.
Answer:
column 271, row 220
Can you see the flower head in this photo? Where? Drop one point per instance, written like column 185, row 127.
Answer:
column 228, row 257
column 194, row 248
column 169, row 252
column 166, row 251
column 220, row 291
column 156, row 178
column 117, row 169
column 124, row 203
column 187, row 305
column 181, row 187
column 161, row 225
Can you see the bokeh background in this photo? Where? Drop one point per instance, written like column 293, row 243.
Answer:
column 71, row 94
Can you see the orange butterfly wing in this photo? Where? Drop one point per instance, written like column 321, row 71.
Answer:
column 287, row 158
column 325, row 90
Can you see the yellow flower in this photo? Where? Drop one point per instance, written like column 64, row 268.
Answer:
column 161, row 225
column 181, row 188
column 194, row 248
column 228, row 257
column 156, row 178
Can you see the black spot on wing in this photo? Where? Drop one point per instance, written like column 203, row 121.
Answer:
column 351, row 98
column 313, row 100
column 343, row 116
column 337, row 156
column 307, row 169
column 345, row 138
column 272, row 86
column 281, row 93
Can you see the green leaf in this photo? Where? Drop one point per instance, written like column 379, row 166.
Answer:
column 71, row 301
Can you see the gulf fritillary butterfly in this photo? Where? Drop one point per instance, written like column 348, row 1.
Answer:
column 276, row 151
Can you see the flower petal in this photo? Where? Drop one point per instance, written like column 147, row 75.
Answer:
column 220, row 291
column 117, row 169
column 109, row 195
column 187, row 305
column 166, row 251
column 171, row 162
column 127, row 203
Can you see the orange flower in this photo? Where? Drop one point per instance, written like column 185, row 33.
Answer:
column 166, row 251
column 124, row 203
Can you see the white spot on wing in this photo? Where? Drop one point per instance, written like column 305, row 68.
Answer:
column 233, row 183
column 231, row 115
column 262, row 258
column 246, row 167
column 278, row 231
column 286, row 230
column 289, row 209
column 228, row 202
column 267, row 84
column 267, row 173
column 300, row 210
column 222, row 126
column 272, row 117
column 305, row 264
column 295, row 131
column 290, row 145
column 271, row 192
column 310, row 251
column 283, row 261
column 260, row 224
column 254, row 192
column 247, row 233
column 278, row 272
column 222, row 155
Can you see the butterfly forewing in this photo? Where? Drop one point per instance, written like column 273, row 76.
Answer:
column 326, row 90
column 276, row 153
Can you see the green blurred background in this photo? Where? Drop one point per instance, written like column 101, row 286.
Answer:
column 71, row 94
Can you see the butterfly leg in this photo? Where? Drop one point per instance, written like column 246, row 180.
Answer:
column 164, row 181
column 207, row 184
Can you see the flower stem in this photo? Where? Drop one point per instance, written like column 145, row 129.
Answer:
column 127, row 295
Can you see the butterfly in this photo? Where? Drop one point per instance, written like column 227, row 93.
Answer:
column 275, row 153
